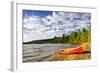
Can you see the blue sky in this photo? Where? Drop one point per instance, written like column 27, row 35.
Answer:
column 39, row 25
column 36, row 13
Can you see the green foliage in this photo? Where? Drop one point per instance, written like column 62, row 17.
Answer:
column 80, row 36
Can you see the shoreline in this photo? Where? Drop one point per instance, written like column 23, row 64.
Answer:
column 28, row 54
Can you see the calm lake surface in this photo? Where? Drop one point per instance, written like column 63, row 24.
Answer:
column 41, row 52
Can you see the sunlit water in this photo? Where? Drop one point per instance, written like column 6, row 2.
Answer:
column 41, row 52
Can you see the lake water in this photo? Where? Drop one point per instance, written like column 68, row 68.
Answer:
column 41, row 52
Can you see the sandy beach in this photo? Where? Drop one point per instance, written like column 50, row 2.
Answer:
column 85, row 55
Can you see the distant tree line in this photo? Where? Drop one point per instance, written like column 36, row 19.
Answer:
column 74, row 38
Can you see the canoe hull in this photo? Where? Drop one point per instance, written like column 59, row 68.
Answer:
column 72, row 51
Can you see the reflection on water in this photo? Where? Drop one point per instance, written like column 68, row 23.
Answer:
column 41, row 52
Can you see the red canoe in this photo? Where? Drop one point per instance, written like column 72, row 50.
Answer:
column 71, row 51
